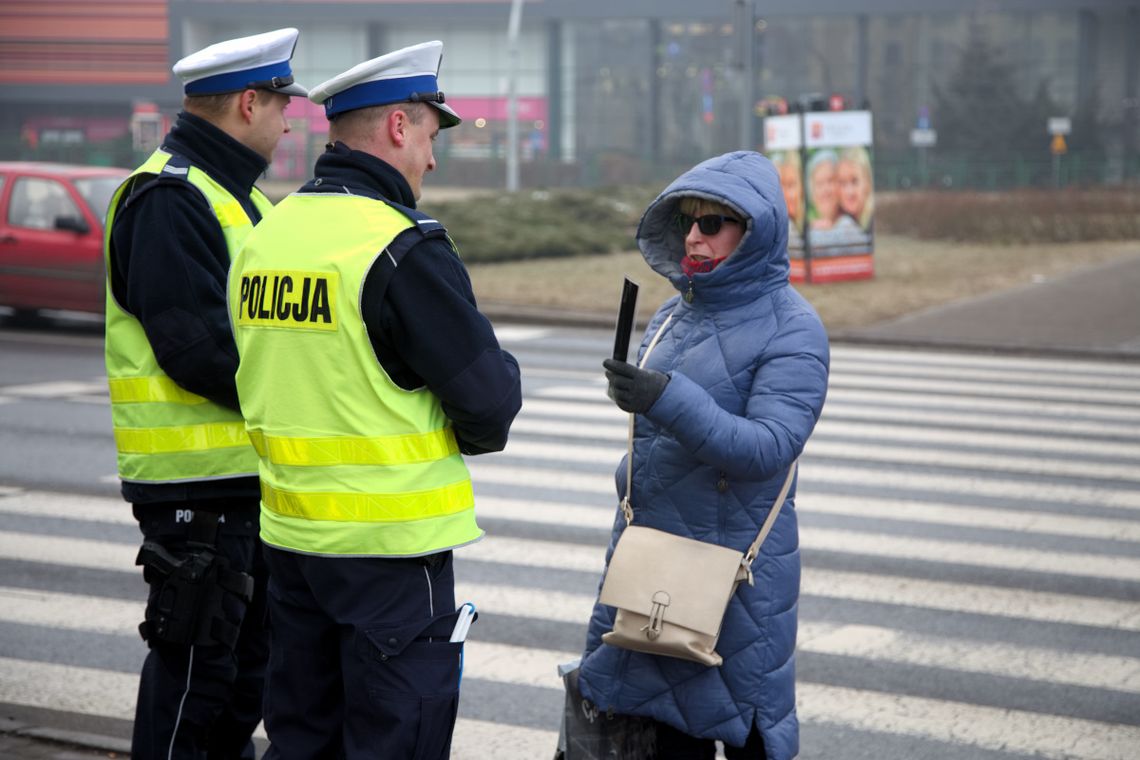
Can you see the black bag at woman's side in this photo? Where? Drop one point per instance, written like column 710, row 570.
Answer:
column 589, row 734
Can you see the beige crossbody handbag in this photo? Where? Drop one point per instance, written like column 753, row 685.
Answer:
column 671, row 592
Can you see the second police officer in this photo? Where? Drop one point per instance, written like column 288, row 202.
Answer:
column 184, row 459
column 366, row 373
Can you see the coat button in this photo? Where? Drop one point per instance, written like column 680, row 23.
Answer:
column 722, row 485
column 393, row 642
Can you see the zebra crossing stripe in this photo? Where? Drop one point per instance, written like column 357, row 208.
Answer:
column 957, row 723
column 811, row 502
column 68, row 688
column 1108, row 427
column 1114, row 417
column 532, row 552
column 600, row 408
column 863, row 452
column 1017, row 603
column 72, row 612
column 1094, row 671
column 111, row 694
column 1020, row 391
column 55, row 389
column 877, row 478
column 535, row 667
column 1009, row 403
column 1073, row 375
column 884, row 434
column 541, row 512
column 886, row 589
column 68, row 507
column 931, row 513
column 909, row 357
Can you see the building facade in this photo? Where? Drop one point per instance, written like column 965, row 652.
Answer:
column 617, row 91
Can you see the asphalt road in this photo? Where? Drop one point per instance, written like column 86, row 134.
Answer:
column 971, row 549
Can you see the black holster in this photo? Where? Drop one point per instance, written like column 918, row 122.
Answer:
column 186, row 604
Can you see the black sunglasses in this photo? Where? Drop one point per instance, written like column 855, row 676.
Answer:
column 709, row 224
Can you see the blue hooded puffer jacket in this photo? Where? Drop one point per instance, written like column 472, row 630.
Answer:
column 747, row 360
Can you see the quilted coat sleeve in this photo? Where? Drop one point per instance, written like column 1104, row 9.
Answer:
column 784, row 403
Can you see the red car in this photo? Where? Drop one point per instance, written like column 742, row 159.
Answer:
column 51, row 235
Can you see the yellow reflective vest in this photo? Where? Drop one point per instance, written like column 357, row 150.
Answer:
column 164, row 433
column 351, row 464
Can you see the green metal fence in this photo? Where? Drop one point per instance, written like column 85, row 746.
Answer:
column 893, row 170
column 906, row 171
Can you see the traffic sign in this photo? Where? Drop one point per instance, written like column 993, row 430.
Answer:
column 1058, row 147
column 924, row 138
column 1059, row 125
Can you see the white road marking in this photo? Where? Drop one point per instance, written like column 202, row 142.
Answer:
column 602, row 484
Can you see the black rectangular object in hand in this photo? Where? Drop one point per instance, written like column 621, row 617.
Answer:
column 626, row 314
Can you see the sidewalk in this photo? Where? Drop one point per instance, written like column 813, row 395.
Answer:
column 1091, row 313
column 20, row 740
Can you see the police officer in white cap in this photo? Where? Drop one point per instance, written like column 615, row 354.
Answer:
column 184, row 458
column 367, row 372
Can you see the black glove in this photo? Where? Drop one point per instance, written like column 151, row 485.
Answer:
column 632, row 389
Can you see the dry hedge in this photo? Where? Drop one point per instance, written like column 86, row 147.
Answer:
column 1022, row 216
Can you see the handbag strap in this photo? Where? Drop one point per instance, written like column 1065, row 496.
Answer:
column 626, row 507
column 773, row 513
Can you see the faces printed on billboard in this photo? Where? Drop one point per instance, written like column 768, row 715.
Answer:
column 787, row 163
column 840, row 201
column 856, row 186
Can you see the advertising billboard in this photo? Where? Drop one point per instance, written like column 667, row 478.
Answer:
column 825, row 165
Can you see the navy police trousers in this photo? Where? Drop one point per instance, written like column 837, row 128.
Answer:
column 199, row 702
column 360, row 663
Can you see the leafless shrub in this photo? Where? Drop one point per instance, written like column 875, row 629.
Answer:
column 1023, row 216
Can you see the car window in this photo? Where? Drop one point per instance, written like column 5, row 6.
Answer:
column 37, row 202
column 97, row 191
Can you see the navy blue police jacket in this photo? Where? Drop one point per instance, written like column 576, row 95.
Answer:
column 169, row 265
column 422, row 318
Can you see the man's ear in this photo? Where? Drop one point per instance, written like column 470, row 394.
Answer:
column 398, row 127
column 246, row 100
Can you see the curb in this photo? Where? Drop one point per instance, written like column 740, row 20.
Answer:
column 516, row 313
column 79, row 739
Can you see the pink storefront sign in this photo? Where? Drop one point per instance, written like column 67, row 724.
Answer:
column 531, row 108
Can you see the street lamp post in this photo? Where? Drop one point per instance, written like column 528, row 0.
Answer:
column 746, row 19
column 512, row 96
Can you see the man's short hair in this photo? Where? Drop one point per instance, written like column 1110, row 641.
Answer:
column 214, row 107
column 362, row 121
column 208, row 106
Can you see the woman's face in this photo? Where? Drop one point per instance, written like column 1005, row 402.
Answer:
column 824, row 193
column 793, row 189
column 701, row 246
column 853, row 188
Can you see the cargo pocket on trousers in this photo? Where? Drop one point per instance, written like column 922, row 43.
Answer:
column 413, row 683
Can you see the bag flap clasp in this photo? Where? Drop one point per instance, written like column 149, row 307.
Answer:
column 656, row 615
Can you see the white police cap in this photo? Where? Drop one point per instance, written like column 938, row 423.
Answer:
column 257, row 62
column 408, row 75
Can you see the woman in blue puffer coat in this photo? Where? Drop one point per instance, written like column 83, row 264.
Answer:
column 724, row 407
